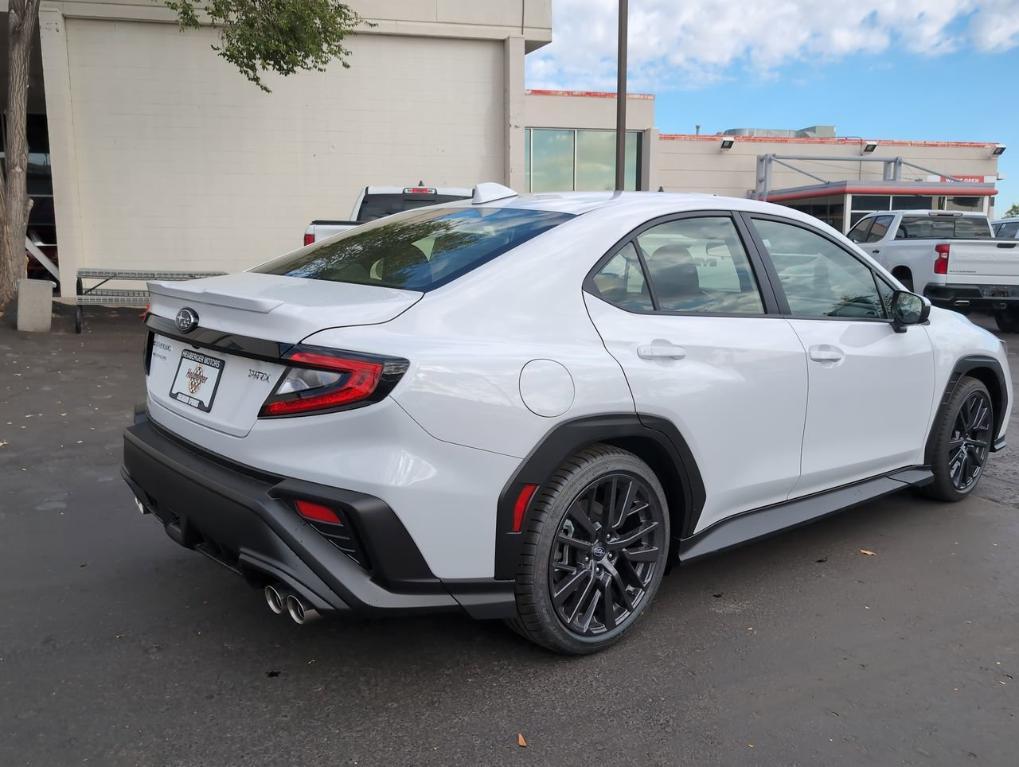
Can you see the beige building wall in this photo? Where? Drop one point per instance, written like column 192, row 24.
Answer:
column 584, row 109
column 165, row 157
column 685, row 163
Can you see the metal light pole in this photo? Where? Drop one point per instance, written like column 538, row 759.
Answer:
column 621, row 98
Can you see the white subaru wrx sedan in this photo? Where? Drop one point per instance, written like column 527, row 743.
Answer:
column 529, row 407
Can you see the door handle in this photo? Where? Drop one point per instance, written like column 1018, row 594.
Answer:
column 826, row 353
column 876, row 251
column 660, row 349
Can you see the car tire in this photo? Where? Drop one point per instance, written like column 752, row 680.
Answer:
column 961, row 442
column 1008, row 320
column 597, row 534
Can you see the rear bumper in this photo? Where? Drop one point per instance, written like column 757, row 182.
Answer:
column 246, row 521
column 983, row 297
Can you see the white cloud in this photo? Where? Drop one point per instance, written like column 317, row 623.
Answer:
column 689, row 43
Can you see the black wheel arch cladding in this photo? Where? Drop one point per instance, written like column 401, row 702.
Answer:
column 655, row 440
column 988, row 371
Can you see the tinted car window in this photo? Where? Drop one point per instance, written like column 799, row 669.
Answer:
column 861, row 231
column 375, row 206
column 879, row 229
column 418, row 250
column 699, row 265
column 942, row 228
column 1009, row 231
column 819, row 278
column 621, row 281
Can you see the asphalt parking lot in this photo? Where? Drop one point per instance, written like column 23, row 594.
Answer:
column 117, row 647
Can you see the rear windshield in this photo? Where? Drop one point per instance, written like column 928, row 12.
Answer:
column 417, row 251
column 375, row 206
column 936, row 228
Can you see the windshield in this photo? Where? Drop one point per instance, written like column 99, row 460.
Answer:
column 419, row 250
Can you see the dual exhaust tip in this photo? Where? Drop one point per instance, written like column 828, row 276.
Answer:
column 282, row 601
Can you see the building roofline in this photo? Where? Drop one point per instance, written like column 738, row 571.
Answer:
column 950, row 188
column 841, row 140
column 587, row 94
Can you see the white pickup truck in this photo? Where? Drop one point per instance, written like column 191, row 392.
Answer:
column 378, row 201
column 950, row 257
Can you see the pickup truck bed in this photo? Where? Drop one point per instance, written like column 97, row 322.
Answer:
column 950, row 257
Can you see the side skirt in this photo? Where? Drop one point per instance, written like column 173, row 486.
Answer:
column 761, row 523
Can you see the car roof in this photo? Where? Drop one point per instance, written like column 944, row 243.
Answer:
column 1009, row 220
column 578, row 203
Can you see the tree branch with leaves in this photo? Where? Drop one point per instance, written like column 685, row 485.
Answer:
column 281, row 36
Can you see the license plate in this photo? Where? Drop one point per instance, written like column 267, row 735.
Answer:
column 997, row 291
column 197, row 379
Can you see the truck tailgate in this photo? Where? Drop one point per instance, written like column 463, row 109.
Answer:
column 977, row 262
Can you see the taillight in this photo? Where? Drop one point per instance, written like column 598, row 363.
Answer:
column 943, row 249
column 320, row 380
column 309, row 239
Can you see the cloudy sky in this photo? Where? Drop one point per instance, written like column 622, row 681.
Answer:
column 912, row 69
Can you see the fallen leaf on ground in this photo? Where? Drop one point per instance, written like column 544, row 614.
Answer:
column 521, row 741
column 868, row 553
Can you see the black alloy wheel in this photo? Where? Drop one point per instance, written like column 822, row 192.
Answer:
column 970, row 442
column 595, row 548
column 605, row 554
column 961, row 441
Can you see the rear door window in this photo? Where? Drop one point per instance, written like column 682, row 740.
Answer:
column 700, row 265
column 419, row 250
column 621, row 282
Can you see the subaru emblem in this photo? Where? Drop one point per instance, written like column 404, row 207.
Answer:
column 187, row 320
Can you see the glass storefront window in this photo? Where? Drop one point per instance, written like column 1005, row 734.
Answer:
column 566, row 160
column 831, row 210
column 552, row 156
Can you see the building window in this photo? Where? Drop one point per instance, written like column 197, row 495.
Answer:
column 568, row 159
column 830, row 210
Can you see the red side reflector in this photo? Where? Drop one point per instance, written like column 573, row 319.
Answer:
column 316, row 512
column 309, row 238
column 526, row 492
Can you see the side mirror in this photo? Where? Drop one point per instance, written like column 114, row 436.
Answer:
column 908, row 309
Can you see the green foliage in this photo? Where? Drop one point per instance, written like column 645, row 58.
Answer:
column 1013, row 211
column 282, row 36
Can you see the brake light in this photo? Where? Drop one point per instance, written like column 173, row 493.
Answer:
column 316, row 512
column 320, row 380
column 419, row 190
column 309, row 239
column 942, row 249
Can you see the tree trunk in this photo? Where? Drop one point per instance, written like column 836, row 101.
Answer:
column 22, row 17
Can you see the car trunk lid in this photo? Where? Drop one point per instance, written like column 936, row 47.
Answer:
column 220, row 373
